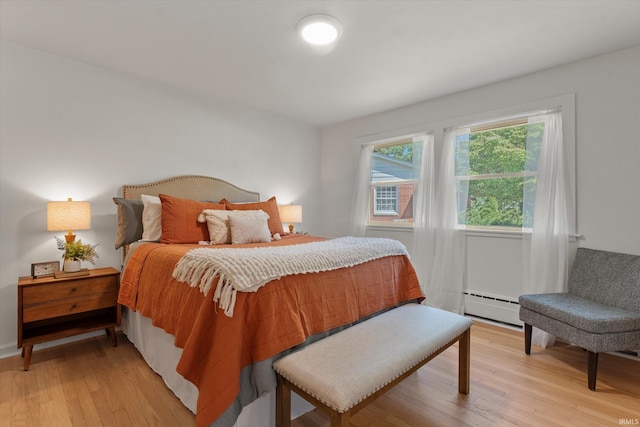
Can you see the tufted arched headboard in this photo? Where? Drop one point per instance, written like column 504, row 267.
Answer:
column 196, row 187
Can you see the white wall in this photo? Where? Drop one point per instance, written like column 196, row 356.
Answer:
column 69, row 129
column 607, row 100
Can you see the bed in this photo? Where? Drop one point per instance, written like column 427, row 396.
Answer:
column 218, row 361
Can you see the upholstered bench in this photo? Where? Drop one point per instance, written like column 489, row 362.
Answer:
column 599, row 313
column 342, row 373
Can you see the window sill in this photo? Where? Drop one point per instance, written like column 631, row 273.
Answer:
column 499, row 233
column 470, row 232
column 404, row 228
column 509, row 234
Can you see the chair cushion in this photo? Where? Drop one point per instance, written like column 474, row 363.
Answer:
column 582, row 313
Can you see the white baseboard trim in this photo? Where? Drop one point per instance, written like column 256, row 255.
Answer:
column 10, row 350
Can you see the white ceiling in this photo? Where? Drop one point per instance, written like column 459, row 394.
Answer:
column 392, row 53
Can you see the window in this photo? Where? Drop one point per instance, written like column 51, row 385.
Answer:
column 385, row 200
column 496, row 170
column 394, row 173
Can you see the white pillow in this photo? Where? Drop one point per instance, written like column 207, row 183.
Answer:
column 249, row 227
column 218, row 225
column 151, row 218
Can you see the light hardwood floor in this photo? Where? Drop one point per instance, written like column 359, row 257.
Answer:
column 90, row 383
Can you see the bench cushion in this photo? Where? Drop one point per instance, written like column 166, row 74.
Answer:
column 344, row 369
column 582, row 313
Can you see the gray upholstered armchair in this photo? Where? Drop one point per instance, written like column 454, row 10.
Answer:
column 600, row 312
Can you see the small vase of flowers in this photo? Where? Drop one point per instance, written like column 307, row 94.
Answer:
column 74, row 252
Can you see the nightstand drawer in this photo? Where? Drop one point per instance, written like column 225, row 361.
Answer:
column 64, row 307
column 57, row 291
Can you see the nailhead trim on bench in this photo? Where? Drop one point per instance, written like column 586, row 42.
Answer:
column 339, row 373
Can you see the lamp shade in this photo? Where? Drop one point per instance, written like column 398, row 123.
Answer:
column 68, row 215
column 291, row 213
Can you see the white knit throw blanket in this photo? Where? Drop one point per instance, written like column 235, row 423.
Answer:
column 248, row 269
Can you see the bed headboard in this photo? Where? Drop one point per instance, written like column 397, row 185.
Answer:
column 196, row 187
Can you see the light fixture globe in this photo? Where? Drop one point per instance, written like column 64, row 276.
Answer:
column 319, row 29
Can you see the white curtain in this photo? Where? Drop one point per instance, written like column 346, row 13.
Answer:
column 362, row 185
column 423, row 221
column 547, row 252
column 447, row 278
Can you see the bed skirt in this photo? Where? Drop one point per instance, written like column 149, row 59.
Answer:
column 157, row 349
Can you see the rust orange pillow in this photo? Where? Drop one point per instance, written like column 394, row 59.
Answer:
column 180, row 219
column 270, row 207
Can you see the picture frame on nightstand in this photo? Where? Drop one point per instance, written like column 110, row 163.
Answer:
column 44, row 269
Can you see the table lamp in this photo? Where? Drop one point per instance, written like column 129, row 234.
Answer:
column 290, row 214
column 68, row 216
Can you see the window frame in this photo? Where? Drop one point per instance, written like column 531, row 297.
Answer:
column 491, row 110
column 566, row 104
column 379, row 141
column 387, row 185
column 492, row 125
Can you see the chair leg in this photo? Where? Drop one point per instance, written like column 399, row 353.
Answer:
column 592, row 369
column 528, row 329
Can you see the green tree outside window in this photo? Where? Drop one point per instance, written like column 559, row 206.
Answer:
column 494, row 165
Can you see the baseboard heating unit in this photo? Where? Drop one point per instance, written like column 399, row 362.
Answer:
column 494, row 307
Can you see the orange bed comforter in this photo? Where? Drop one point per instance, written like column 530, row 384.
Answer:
column 279, row 316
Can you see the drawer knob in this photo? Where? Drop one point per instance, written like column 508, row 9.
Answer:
column 74, row 306
column 74, row 289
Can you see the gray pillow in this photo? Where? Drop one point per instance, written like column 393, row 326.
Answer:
column 129, row 221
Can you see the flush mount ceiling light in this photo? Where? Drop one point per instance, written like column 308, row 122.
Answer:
column 320, row 29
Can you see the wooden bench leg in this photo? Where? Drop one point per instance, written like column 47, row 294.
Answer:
column 464, row 362
column 592, row 369
column 340, row 419
column 283, row 404
column 528, row 330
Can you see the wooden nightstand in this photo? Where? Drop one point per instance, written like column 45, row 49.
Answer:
column 50, row 308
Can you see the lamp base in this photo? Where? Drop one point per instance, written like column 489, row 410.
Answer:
column 290, row 228
column 70, row 238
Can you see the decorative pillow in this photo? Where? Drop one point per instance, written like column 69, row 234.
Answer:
column 249, row 227
column 218, row 225
column 151, row 218
column 180, row 219
column 270, row 207
column 129, row 221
